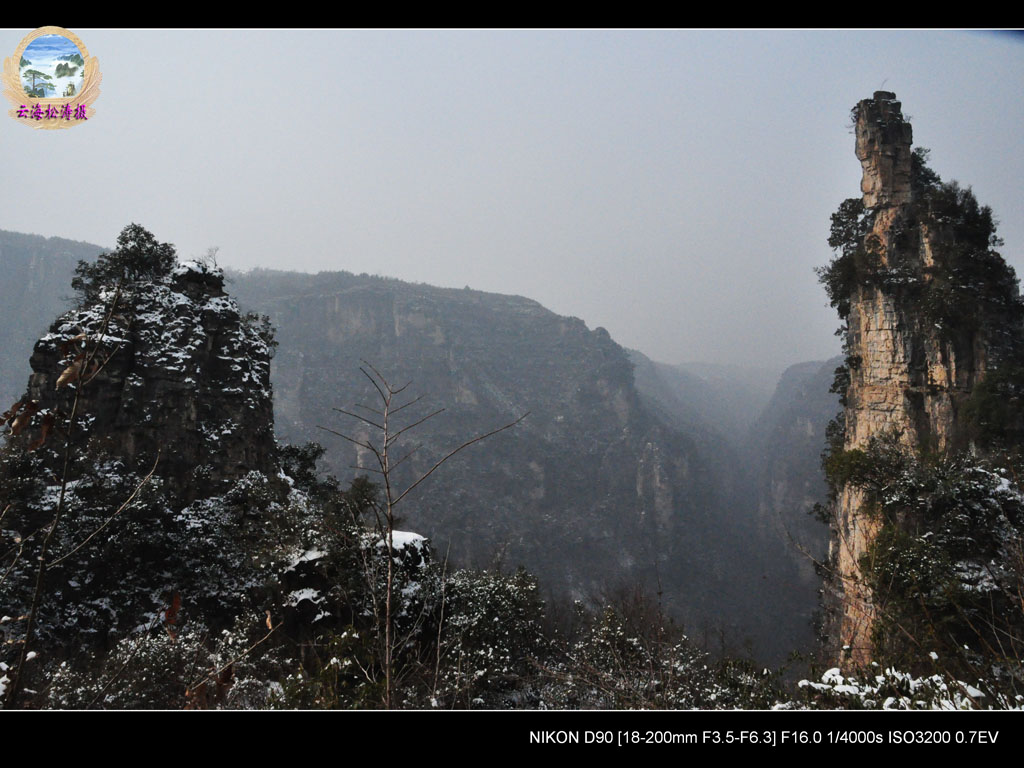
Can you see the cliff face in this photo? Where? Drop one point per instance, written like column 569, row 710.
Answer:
column 783, row 461
column 592, row 491
column 909, row 372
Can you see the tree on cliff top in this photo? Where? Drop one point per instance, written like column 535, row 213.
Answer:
column 138, row 256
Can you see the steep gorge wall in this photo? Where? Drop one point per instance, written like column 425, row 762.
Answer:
column 597, row 489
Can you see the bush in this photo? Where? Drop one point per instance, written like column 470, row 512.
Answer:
column 138, row 257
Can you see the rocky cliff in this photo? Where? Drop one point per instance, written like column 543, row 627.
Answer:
column 925, row 302
column 171, row 367
column 139, row 479
column 788, row 441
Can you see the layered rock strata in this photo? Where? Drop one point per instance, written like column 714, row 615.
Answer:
column 908, row 374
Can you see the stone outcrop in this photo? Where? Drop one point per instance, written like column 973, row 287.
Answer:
column 883, row 148
column 169, row 366
column 908, row 373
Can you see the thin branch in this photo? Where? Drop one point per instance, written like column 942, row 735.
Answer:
column 365, row 469
column 410, row 453
column 376, row 386
column 14, row 562
column 452, row 453
column 392, row 438
column 357, row 416
column 102, row 365
column 440, row 621
column 368, row 408
column 350, row 439
column 242, row 655
column 19, row 543
column 393, row 411
column 138, row 646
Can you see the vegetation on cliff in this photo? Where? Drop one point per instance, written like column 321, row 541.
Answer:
column 967, row 281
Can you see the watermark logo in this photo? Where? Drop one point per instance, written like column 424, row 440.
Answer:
column 51, row 80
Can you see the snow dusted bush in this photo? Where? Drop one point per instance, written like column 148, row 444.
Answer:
column 490, row 639
column 625, row 660
column 167, row 668
column 893, row 689
column 147, row 671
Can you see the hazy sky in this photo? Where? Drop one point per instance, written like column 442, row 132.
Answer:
column 672, row 186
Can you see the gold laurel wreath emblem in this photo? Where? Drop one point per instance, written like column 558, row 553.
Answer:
column 15, row 92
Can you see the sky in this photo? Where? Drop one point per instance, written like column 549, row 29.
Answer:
column 672, row 186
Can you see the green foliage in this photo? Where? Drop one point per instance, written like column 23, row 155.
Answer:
column 264, row 329
column 137, row 258
column 868, row 468
column 855, row 261
column 166, row 667
column 891, row 688
column 299, row 463
column 923, row 179
column 846, row 466
column 993, row 416
column 949, row 204
column 148, row 671
column 334, row 674
column 39, row 85
column 628, row 656
column 968, row 285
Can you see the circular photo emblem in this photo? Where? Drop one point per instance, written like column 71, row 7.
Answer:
column 51, row 80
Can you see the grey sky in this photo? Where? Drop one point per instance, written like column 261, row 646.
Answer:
column 674, row 187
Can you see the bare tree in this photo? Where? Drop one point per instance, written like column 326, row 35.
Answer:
column 383, row 449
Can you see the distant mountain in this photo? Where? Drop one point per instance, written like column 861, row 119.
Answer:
column 626, row 470
column 733, row 395
column 728, row 397
column 37, row 278
column 787, row 480
column 789, row 438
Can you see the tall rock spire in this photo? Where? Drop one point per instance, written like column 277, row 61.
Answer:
column 910, row 365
